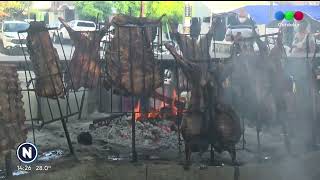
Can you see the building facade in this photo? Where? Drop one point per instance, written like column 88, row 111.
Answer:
column 49, row 11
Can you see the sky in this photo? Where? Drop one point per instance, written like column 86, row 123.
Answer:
column 225, row 6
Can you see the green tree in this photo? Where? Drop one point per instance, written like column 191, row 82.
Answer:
column 124, row 7
column 153, row 9
column 13, row 9
column 173, row 9
column 88, row 10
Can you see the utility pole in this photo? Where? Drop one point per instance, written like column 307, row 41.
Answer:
column 187, row 17
column 142, row 9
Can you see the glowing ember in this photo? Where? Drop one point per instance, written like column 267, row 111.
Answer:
column 153, row 114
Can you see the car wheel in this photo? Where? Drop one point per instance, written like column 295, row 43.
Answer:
column 1, row 47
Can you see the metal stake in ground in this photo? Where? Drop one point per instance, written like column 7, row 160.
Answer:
column 133, row 120
column 8, row 164
column 133, row 140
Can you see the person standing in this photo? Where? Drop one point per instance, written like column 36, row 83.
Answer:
column 304, row 41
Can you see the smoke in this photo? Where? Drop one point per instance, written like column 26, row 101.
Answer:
column 279, row 104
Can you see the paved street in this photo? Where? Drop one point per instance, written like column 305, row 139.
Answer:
column 66, row 47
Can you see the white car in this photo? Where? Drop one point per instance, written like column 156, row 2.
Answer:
column 77, row 25
column 9, row 37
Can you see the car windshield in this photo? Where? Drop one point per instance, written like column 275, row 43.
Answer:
column 85, row 24
column 15, row 27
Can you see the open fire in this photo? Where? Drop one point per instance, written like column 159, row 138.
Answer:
column 165, row 109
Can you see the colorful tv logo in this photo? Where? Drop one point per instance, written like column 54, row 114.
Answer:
column 289, row 15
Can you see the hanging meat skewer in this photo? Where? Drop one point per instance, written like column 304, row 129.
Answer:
column 45, row 61
column 131, row 55
column 207, row 121
column 84, row 69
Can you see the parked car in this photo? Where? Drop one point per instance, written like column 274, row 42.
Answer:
column 9, row 38
column 77, row 25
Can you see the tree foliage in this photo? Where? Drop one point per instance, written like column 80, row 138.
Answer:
column 124, row 7
column 88, row 10
column 173, row 9
column 153, row 9
column 12, row 9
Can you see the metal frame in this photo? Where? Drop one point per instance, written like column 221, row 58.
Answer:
column 63, row 117
column 164, row 64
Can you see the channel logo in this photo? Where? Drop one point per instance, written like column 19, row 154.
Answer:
column 27, row 152
column 289, row 15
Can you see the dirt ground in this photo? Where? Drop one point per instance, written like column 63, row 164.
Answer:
column 304, row 167
column 109, row 156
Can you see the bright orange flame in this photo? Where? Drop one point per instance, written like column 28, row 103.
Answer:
column 162, row 105
column 153, row 115
column 137, row 110
column 173, row 106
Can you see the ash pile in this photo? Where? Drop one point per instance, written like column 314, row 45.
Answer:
column 151, row 134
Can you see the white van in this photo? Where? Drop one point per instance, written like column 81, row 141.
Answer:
column 77, row 25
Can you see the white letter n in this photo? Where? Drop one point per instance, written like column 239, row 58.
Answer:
column 26, row 152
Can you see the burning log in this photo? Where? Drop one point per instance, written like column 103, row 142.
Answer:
column 180, row 104
column 45, row 60
column 85, row 69
column 131, row 66
column 169, row 108
column 12, row 115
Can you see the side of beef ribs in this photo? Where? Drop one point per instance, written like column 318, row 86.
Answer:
column 84, row 67
column 45, row 61
column 131, row 66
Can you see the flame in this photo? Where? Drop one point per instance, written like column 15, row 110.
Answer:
column 155, row 113
column 137, row 110
column 173, row 106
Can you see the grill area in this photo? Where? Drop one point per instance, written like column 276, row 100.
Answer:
column 141, row 98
